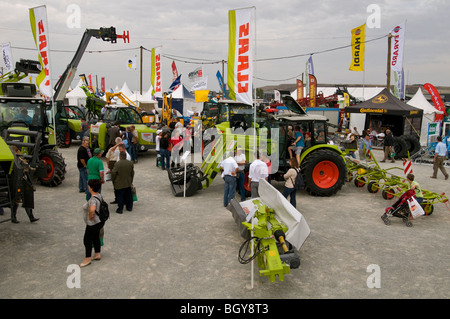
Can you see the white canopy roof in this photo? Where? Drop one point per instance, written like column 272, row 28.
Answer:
column 147, row 96
column 420, row 101
column 125, row 90
column 182, row 93
column 77, row 91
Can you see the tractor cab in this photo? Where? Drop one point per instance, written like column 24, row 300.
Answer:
column 26, row 122
column 21, row 109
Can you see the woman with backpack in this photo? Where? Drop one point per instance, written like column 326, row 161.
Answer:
column 290, row 177
column 93, row 223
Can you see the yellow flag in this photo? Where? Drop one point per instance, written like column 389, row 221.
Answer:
column 201, row 95
column 358, row 39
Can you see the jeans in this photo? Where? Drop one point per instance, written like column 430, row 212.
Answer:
column 165, row 158
column 241, row 181
column 290, row 191
column 254, row 189
column 82, row 181
column 133, row 152
column 230, row 189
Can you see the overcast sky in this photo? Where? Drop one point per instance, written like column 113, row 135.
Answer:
column 198, row 29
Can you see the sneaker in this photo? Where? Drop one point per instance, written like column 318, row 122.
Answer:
column 446, row 177
column 433, row 177
column 383, row 161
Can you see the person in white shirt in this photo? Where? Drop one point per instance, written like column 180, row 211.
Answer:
column 240, row 160
column 258, row 170
column 440, row 154
column 229, row 168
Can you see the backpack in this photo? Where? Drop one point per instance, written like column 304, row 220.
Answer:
column 299, row 183
column 103, row 212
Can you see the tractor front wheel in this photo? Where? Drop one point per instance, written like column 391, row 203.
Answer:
column 55, row 168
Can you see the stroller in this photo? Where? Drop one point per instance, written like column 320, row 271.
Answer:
column 400, row 209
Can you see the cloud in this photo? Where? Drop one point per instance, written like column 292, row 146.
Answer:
column 199, row 29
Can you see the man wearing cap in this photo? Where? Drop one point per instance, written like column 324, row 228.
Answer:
column 95, row 169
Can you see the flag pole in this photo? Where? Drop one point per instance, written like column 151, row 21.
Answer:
column 140, row 68
column 388, row 74
column 254, row 118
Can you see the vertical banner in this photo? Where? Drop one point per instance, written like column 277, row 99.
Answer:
column 220, row 80
column 240, row 55
column 437, row 101
column 397, row 42
column 309, row 70
column 299, row 89
column 39, row 27
column 7, row 57
column 399, row 87
column 312, row 90
column 346, row 100
column 174, row 74
column 156, row 72
column 277, row 96
column 358, row 48
column 91, row 87
column 103, row 86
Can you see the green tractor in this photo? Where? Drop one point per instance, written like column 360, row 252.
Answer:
column 24, row 116
column 125, row 116
column 68, row 119
column 322, row 165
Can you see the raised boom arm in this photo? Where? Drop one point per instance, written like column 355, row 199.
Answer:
column 106, row 34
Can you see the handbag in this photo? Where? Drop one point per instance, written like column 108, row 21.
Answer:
column 415, row 208
column 133, row 193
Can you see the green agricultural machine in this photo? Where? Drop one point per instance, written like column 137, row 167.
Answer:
column 391, row 185
column 322, row 165
column 24, row 116
column 69, row 120
column 125, row 116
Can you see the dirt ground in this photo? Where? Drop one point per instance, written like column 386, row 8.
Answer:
column 173, row 247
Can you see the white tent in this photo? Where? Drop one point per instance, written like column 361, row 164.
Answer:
column 125, row 90
column 189, row 105
column 147, row 96
column 77, row 95
column 429, row 111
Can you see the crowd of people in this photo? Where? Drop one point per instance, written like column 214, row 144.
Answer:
column 92, row 175
column 169, row 143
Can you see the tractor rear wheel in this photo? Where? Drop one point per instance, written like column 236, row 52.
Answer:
column 55, row 168
column 63, row 138
column 324, row 172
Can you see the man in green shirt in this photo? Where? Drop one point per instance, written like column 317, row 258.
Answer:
column 95, row 169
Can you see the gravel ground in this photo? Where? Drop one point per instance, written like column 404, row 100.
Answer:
column 170, row 247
